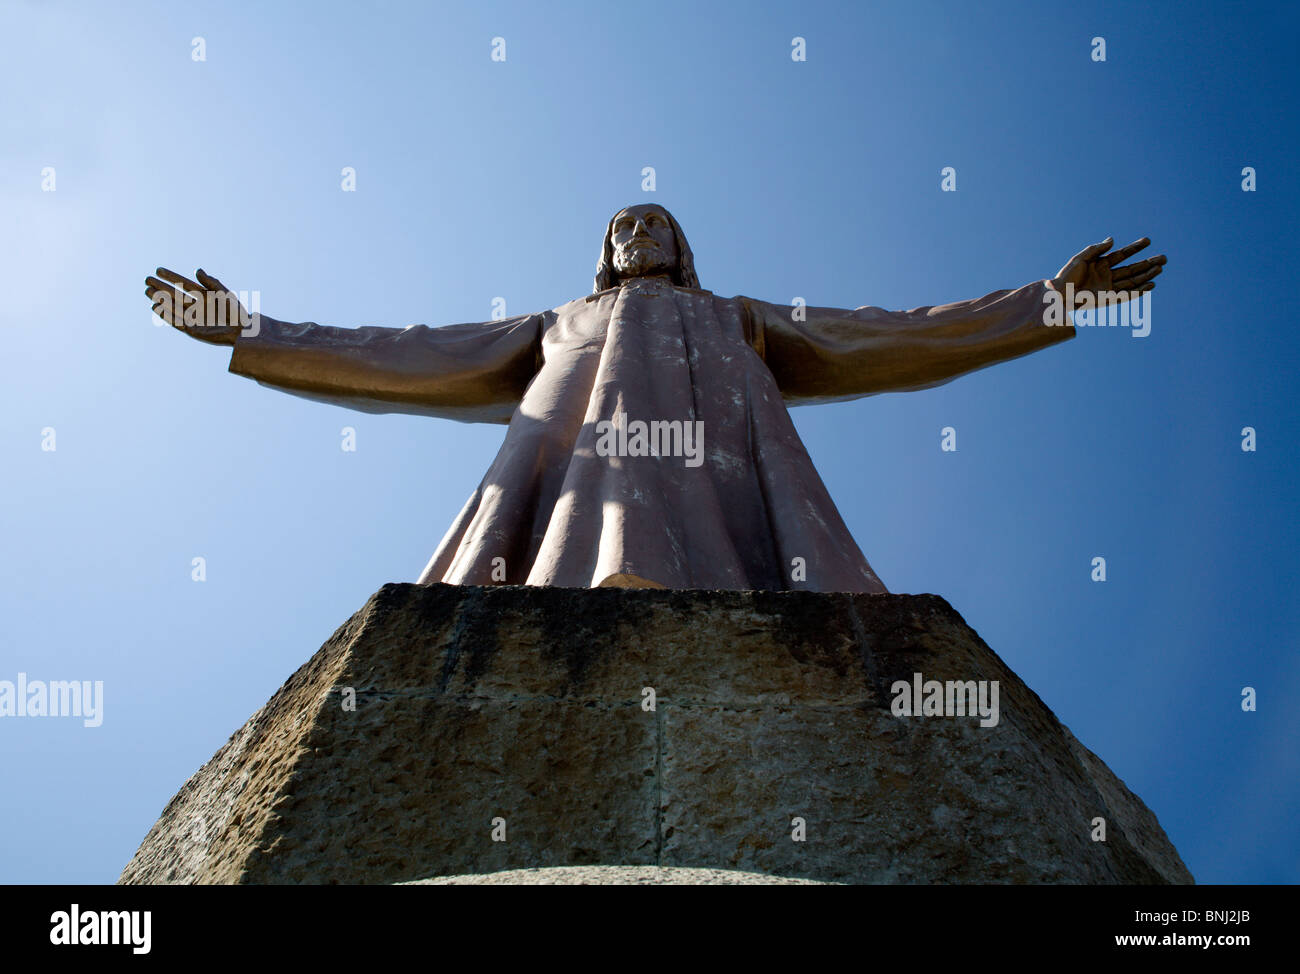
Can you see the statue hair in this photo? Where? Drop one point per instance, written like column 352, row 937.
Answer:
column 683, row 274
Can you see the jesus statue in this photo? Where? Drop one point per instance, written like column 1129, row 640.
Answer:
column 648, row 441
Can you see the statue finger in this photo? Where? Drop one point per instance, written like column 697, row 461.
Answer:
column 1124, row 253
column 185, row 308
column 160, row 294
column 179, row 281
column 162, row 305
column 1148, row 272
column 158, row 285
column 180, row 301
column 1140, row 267
column 1097, row 249
column 167, row 312
column 209, row 282
column 1131, row 282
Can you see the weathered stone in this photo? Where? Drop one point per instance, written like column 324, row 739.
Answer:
column 526, row 704
column 615, row 876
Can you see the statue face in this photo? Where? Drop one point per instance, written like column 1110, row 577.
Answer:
column 643, row 241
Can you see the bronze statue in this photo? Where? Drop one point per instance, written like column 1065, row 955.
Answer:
column 649, row 441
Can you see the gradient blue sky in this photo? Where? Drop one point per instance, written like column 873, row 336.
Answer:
column 479, row 179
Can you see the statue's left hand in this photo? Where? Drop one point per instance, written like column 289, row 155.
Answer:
column 1093, row 270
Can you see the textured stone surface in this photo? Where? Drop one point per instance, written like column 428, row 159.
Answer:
column 616, row 876
column 525, row 703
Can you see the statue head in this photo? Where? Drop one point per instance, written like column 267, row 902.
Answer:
column 643, row 241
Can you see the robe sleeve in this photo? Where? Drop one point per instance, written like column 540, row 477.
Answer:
column 475, row 373
column 836, row 354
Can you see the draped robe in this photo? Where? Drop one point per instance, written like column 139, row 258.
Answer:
column 552, row 510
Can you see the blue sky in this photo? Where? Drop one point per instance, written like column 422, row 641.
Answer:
column 478, row 179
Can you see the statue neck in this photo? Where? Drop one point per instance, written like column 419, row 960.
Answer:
column 665, row 278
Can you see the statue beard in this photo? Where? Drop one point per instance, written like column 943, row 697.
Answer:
column 643, row 261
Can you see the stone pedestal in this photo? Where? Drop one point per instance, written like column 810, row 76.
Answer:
column 642, row 727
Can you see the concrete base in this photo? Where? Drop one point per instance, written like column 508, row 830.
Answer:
column 449, row 730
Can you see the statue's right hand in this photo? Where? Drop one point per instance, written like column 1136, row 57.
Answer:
column 206, row 310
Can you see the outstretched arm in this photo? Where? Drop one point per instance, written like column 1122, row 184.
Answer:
column 472, row 372
column 833, row 354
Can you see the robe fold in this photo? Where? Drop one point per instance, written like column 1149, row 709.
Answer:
column 573, row 499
